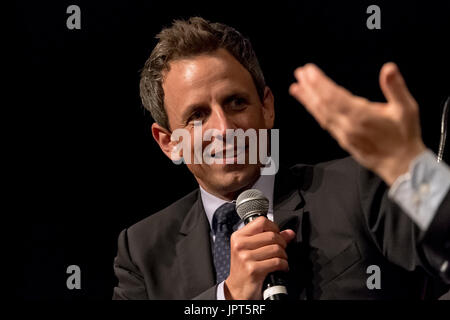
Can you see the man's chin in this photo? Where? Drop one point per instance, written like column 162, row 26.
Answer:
column 235, row 169
column 225, row 179
column 234, row 177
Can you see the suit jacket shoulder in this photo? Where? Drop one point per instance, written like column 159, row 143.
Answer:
column 162, row 227
column 147, row 262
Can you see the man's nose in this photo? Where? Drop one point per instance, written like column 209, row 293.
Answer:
column 220, row 121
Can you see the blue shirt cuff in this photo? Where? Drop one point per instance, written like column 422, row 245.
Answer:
column 420, row 191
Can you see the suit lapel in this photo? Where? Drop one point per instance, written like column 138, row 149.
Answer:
column 288, row 203
column 194, row 252
column 289, row 214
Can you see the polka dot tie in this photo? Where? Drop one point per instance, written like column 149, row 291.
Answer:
column 224, row 219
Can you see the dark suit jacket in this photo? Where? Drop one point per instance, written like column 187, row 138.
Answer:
column 344, row 223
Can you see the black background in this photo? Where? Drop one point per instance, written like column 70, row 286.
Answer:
column 87, row 166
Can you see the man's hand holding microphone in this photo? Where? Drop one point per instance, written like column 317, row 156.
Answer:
column 257, row 250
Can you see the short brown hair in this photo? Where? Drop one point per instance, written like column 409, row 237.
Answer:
column 188, row 38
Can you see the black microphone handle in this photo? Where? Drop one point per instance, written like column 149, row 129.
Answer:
column 274, row 285
column 275, row 281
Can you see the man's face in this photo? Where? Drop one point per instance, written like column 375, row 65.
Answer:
column 217, row 90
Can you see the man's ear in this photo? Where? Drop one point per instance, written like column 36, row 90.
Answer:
column 162, row 137
column 268, row 108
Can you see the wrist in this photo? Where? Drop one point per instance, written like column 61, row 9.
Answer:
column 239, row 292
column 395, row 166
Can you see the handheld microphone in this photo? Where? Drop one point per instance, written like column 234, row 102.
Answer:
column 250, row 205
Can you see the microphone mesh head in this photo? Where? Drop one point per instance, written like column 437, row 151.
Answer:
column 251, row 202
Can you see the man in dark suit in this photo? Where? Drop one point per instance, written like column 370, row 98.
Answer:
column 373, row 226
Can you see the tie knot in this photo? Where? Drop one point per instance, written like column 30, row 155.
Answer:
column 225, row 217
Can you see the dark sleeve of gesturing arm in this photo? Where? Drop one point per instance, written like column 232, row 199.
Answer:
column 131, row 283
column 437, row 239
column 410, row 222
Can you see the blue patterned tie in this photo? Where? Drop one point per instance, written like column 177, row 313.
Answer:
column 224, row 219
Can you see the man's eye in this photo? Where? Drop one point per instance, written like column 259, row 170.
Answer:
column 196, row 116
column 238, row 103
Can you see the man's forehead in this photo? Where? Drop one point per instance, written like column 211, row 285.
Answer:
column 203, row 69
column 191, row 77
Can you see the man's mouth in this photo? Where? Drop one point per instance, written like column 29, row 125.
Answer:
column 230, row 153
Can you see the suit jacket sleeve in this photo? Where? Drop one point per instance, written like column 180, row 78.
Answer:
column 437, row 239
column 210, row 294
column 131, row 282
column 398, row 237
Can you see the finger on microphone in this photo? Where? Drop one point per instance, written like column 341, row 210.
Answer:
column 264, row 267
column 288, row 235
column 260, row 224
column 263, row 239
column 269, row 252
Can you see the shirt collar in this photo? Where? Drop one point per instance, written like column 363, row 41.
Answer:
column 265, row 184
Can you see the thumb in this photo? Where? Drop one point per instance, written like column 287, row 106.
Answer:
column 288, row 235
column 393, row 85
